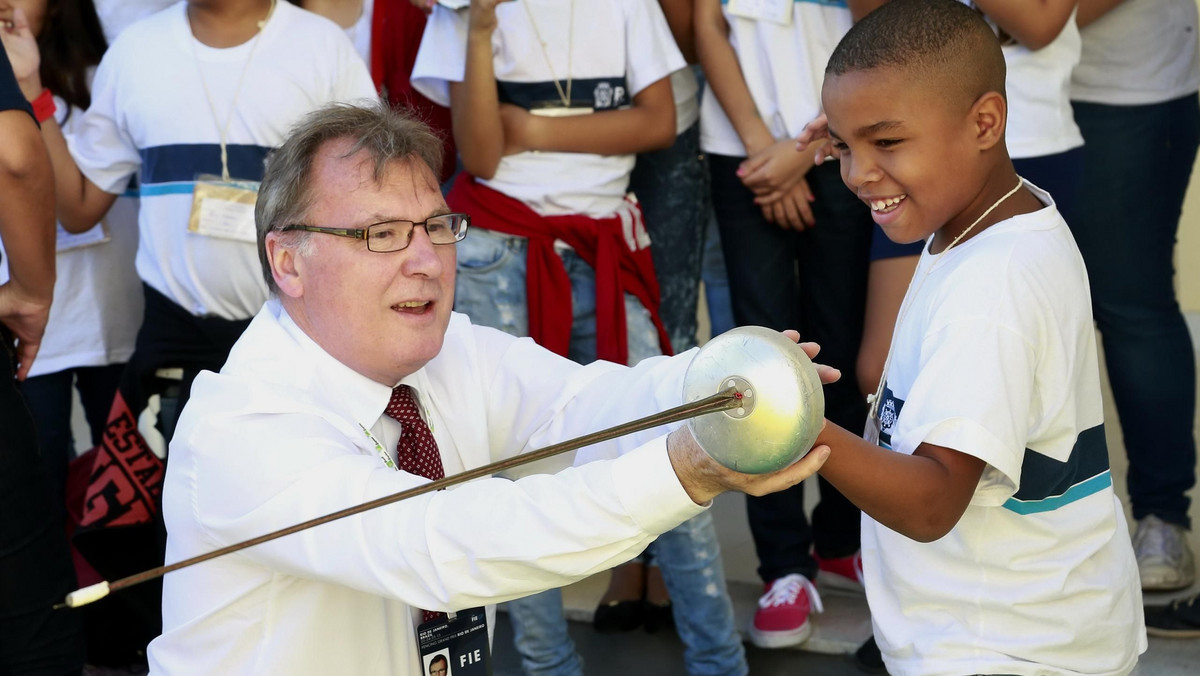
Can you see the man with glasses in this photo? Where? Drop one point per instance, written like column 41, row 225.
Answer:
column 356, row 381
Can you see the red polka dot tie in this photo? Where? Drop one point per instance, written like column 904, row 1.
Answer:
column 416, row 452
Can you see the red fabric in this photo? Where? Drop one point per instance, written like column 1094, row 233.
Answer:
column 600, row 242
column 396, row 30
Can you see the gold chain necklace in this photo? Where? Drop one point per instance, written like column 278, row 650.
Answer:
column 565, row 96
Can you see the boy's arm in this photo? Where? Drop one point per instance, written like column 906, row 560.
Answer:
column 921, row 496
column 1090, row 10
column 861, row 8
column 648, row 125
column 1034, row 23
column 81, row 204
column 725, row 76
column 474, row 102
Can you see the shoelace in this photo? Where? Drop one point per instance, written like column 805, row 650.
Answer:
column 786, row 590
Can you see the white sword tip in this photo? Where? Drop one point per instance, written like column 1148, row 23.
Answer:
column 90, row 594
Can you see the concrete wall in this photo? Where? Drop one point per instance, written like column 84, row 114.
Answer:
column 1187, row 254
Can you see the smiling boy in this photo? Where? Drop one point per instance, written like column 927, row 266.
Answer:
column 992, row 540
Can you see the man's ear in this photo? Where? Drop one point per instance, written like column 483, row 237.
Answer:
column 284, row 266
column 989, row 117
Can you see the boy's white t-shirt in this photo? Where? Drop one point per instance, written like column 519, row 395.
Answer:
column 150, row 116
column 98, row 298
column 783, row 65
column 1140, row 52
column 995, row 356
column 1040, row 119
column 617, row 49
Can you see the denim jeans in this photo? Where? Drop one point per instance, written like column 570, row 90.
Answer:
column 814, row 281
column 690, row 560
column 1138, row 161
column 672, row 187
column 490, row 289
column 35, row 563
column 49, row 399
column 716, row 282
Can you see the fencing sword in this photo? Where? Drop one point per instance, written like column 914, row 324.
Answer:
column 773, row 410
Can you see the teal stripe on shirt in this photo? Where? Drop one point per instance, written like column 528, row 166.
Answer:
column 176, row 188
column 1077, row 492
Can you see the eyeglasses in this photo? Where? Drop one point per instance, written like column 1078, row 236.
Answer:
column 390, row 236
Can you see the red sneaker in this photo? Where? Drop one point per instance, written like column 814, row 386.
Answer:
column 843, row 573
column 782, row 615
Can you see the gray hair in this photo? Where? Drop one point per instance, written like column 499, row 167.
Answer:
column 387, row 135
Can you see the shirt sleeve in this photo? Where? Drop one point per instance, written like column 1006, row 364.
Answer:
column 483, row 542
column 974, row 389
column 101, row 144
column 651, row 52
column 353, row 80
column 442, row 57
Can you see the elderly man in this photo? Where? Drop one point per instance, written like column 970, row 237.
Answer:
column 358, row 381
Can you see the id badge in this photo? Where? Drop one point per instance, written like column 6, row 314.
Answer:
column 872, row 428
column 456, row 645
column 775, row 11
column 224, row 209
column 562, row 111
column 93, row 236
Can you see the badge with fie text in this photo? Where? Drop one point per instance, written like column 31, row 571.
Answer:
column 224, row 209
column 456, row 645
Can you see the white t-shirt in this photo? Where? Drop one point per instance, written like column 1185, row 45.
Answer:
column 150, row 116
column 117, row 15
column 280, row 435
column 995, row 357
column 617, row 49
column 1040, row 120
column 687, row 105
column 360, row 32
column 784, row 66
column 98, row 298
column 1140, row 52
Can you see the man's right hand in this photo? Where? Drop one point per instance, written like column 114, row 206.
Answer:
column 704, row 478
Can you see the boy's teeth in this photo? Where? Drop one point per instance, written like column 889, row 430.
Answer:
column 411, row 303
column 880, row 205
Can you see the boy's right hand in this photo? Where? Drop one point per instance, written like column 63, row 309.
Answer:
column 482, row 17
column 815, row 135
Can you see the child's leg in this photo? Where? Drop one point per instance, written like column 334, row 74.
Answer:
column 490, row 283
column 672, row 187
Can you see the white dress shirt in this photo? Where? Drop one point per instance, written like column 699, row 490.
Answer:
column 281, row 436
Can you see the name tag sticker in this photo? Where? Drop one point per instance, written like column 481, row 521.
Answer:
column 95, row 235
column 456, row 646
column 776, row 11
column 224, row 209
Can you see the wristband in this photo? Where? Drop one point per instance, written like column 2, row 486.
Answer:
column 43, row 106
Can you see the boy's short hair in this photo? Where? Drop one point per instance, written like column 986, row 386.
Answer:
column 943, row 42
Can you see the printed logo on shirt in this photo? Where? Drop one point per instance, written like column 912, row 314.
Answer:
column 889, row 415
column 607, row 93
column 1047, row 484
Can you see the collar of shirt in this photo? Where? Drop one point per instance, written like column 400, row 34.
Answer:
column 358, row 398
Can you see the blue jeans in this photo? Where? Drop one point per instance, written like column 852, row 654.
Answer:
column 672, row 187
column 690, row 560
column 1138, row 161
column 490, row 289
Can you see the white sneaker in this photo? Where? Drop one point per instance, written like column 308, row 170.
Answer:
column 1163, row 556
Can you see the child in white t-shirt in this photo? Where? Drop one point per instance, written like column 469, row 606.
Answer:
column 993, row 542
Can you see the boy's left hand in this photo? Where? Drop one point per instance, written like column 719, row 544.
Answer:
column 793, row 210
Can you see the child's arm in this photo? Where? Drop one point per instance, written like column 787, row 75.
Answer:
column 861, row 8
column 648, row 125
column 921, row 496
column 1034, row 23
column 81, row 204
column 679, row 14
column 1090, row 10
column 725, row 76
column 474, row 102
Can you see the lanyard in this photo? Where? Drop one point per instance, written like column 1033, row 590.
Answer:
column 564, row 95
column 223, row 130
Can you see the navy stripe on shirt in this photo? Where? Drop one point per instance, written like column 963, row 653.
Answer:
column 182, row 162
column 606, row 93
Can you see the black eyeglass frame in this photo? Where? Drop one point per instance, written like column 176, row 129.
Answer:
column 364, row 233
